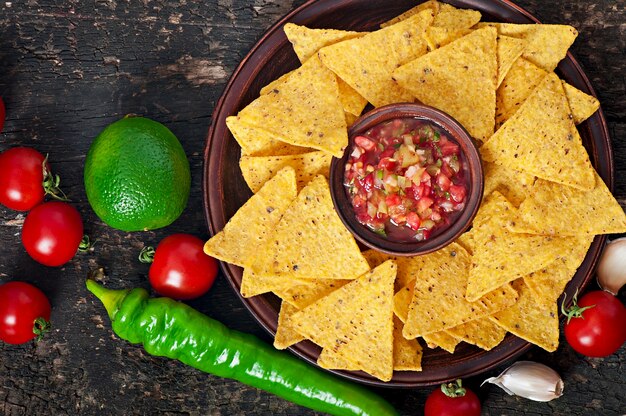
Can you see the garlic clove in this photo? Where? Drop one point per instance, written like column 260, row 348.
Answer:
column 611, row 274
column 530, row 380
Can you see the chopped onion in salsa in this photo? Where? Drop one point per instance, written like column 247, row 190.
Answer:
column 406, row 179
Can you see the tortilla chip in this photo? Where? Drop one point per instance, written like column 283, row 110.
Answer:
column 311, row 290
column 466, row 240
column 509, row 49
column 460, row 79
column 442, row 340
column 482, row 332
column 310, row 241
column 562, row 210
column 253, row 284
column 408, row 267
column 501, row 256
column 333, row 361
column 539, row 325
column 546, row 285
column 350, row 119
column 582, row 105
column 306, row 42
column 439, row 300
column 255, row 141
column 546, row 45
column 519, row 82
column 256, row 219
column 352, row 102
column 356, row 321
column 407, row 353
column 513, row 184
column 541, row 139
column 257, row 170
column 301, row 115
column 286, row 335
column 366, row 63
column 432, row 5
column 402, row 300
column 436, row 37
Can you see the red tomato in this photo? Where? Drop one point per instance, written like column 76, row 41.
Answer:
column 52, row 233
column 455, row 401
column 21, row 178
column 180, row 269
column 2, row 114
column 595, row 325
column 24, row 312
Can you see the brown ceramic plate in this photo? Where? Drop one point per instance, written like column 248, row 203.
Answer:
column 225, row 190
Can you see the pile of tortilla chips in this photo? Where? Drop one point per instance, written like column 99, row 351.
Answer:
column 543, row 202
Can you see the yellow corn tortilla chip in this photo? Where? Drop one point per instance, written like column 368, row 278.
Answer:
column 407, row 353
column 439, row 302
column 453, row 18
column 432, row 5
column 513, row 184
column 546, row 45
column 350, row 119
column 402, row 300
column 482, row 332
column 256, row 219
column 546, row 285
column 539, row 325
column 306, row 42
column 333, row 361
column 442, row 340
column 436, row 37
column 460, row 79
column 311, row 290
column 509, row 49
column 562, row 210
column 356, row 321
column 466, row 240
column 501, row 256
column 541, row 139
column 286, row 335
column 277, row 83
column 253, row 284
column 255, row 141
column 408, row 267
column 366, row 63
column 352, row 102
column 310, row 241
column 257, row 170
column 582, row 105
column 301, row 115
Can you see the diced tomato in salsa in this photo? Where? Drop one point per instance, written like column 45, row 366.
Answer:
column 406, row 179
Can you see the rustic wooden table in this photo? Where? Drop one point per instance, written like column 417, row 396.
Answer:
column 69, row 68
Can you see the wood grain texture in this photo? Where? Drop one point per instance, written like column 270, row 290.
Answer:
column 69, row 68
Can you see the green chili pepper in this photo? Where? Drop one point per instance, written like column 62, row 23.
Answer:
column 172, row 329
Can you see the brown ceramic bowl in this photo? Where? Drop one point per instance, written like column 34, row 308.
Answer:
column 225, row 190
column 471, row 164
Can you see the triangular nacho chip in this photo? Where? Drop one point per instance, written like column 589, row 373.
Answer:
column 253, row 284
column 306, row 42
column 432, row 5
column 333, row 361
column 582, row 105
column 509, row 50
column 310, row 241
column 541, row 139
column 356, row 321
column 407, row 353
column 539, row 325
column 366, row 63
column 501, row 256
column 555, row 209
column 257, row 170
column 436, row 37
column 255, row 219
column 546, row 285
column 546, row 45
column 513, row 184
column 305, row 111
column 408, row 267
column 460, row 79
column 442, row 340
column 312, row 290
column 286, row 335
column 255, row 141
column 439, row 294
column 481, row 332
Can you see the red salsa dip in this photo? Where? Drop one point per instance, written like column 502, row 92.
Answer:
column 406, row 179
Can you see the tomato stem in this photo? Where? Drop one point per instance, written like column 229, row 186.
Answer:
column 86, row 244
column 574, row 311
column 453, row 389
column 146, row 255
column 51, row 183
column 40, row 327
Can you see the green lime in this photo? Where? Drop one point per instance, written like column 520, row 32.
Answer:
column 137, row 175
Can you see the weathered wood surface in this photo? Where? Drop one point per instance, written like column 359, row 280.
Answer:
column 68, row 68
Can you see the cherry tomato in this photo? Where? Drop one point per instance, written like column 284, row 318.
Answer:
column 52, row 233
column 21, row 178
column 452, row 400
column 180, row 269
column 2, row 114
column 595, row 325
column 24, row 312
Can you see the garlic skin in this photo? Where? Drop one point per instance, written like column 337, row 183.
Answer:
column 530, row 380
column 611, row 274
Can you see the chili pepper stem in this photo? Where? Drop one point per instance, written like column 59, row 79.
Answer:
column 453, row 389
column 146, row 255
column 111, row 299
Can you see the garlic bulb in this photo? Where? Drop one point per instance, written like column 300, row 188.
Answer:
column 530, row 380
column 612, row 266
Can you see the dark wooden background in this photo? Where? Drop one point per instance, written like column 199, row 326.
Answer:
column 69, row 68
